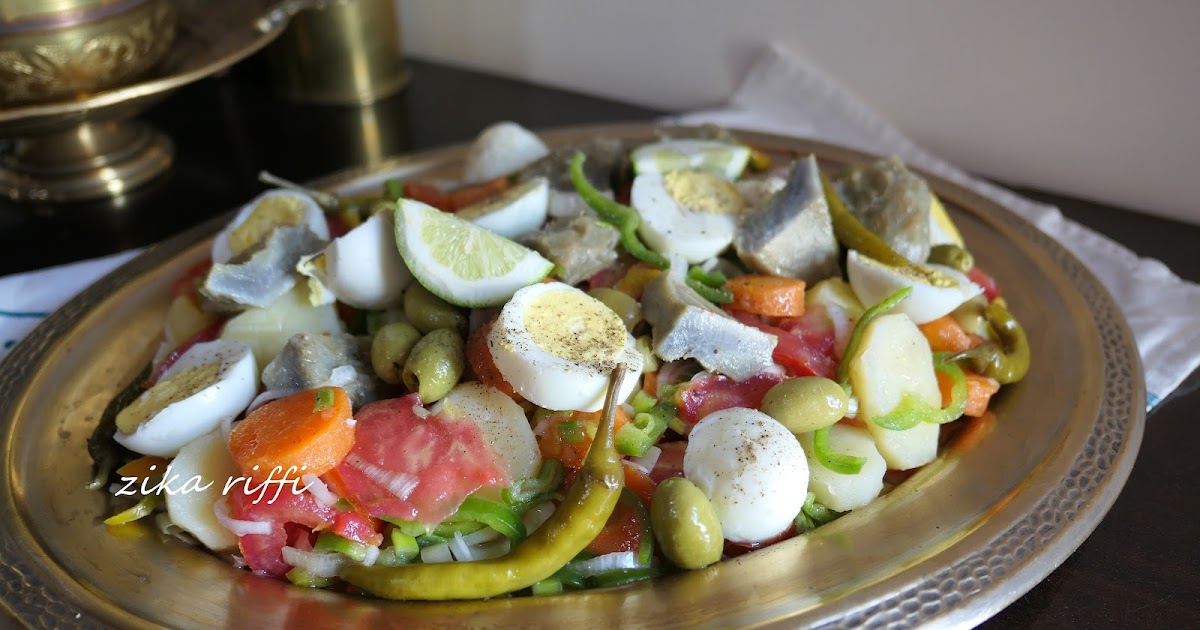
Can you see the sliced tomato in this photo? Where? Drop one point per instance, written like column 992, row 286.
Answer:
column 481, row 363
column 639, row 482
column 208, row 333
column 622, row 532
column 444, row 459
column 670, row 461
column 361, row 529
column 698, row 398
column 286, row 512
column 806, row 344
column 991, row 290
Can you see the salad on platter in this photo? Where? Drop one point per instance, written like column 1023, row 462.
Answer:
column 573, row 367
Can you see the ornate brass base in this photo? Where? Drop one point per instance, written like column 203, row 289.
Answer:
column 90, row 160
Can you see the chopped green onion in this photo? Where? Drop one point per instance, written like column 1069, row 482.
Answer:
column 408, row 528
column 679, row 426
column 571, row 431
column 643, row 402
column 301, row 577
column 621, row 577
column 329, row 541
column 804, row 523
column 324, row 400
column 494, row 514
column 633, row 441
column 142, row 508
column 712, row 294
column 622, row 217
column 548, row 586
column 837, row 462
column 868, row 316
column 393, row 189
column 645, row 549
column 714, row 278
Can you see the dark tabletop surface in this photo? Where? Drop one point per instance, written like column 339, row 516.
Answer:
column 1140, row 568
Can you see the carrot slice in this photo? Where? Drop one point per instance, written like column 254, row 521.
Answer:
column 946, row 335
column 979, row 392
column 773, row 296
column 143, row 467
column 309, row 431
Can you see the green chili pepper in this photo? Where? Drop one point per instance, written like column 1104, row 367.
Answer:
column 301, row 577
column 1007, row 358
column 912, row 411
column 622, row 217
column 101, row 446
column 141, row 509
column 576, row 522
column 833, row 460
column 868, row 316
column 851, row 233
column 951, row 256
column 712, row 294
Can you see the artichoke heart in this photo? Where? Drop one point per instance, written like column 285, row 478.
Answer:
column 891, row 201
column 259, row 276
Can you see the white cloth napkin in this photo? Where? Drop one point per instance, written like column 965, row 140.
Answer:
column 784, row 94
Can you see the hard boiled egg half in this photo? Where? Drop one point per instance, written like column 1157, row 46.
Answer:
column 255, row 221
column 691, row 214
column 722, row 158
column 362, row 268
column 210, row 383
column 873, row 281
column 751, row 468
column 557, row 345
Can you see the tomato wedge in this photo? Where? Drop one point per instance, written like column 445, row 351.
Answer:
column 806, row 344
column 698, row 398
column 264, row 552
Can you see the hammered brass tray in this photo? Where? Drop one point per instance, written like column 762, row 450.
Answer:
column 1012, row 495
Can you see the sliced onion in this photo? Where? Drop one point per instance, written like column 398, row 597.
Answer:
column 319, row 490
column 648, row 459
column 235, row 526
column 340, row 376
column 400, row 484
column 421, row 412
column 537, row 516
column 607, row 562
column 324, row 565
column 371, row 556
column 460, row 549
column 493, row 549
column 237, row 561
column 852, row 407
column 480, row 536
column 434, row 554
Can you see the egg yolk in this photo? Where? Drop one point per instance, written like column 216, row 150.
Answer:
column 703, row 192
column 270, row 213
column 574, row 326
column 166, row 393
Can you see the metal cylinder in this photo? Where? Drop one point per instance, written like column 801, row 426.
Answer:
column 346, row 53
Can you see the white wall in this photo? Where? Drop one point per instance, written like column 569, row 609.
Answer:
column 1095, row 98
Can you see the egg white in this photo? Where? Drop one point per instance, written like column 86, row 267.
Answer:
column 364, row 269
column 546, row 378
column 198, row 411
column 722, row 158
column 751, row 468
column 873, row 281
column 501, row 149
column 314, row 218
column 670, row 228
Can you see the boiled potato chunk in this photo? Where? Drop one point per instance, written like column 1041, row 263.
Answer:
column 894, row 360
column 845, row 492
column 268, row 329
column 205, row 458
column 502, row 422
column 185, row 319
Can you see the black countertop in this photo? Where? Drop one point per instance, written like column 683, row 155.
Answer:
column 1138, row 568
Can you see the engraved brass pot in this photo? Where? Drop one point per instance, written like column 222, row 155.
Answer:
column 67, row 49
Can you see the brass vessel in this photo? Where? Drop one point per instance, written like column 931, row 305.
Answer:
column 67, row 49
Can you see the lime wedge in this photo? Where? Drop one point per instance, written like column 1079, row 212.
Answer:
column 722, row 158
column 941, row 229
column 460, row 262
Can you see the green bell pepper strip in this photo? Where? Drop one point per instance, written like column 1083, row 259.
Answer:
column 574, row 525
column 493, row 514
column 329, row 541
column 549, row 478
column 1007, row 358
column 833, row 460
column 868, row 316
column 714, row 278
column 912, row 411
column 712, row 294
column 143, row 508
column 622, row 217
column 852, row 234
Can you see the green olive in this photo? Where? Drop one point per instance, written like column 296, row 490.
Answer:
column 685, row 524
column 622, row 304
column 435, row 365
column 390, row 349
column 429, row 312
column 806, row 403
column 952, row 256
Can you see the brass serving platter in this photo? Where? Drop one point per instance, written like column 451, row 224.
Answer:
column 1013, row 494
